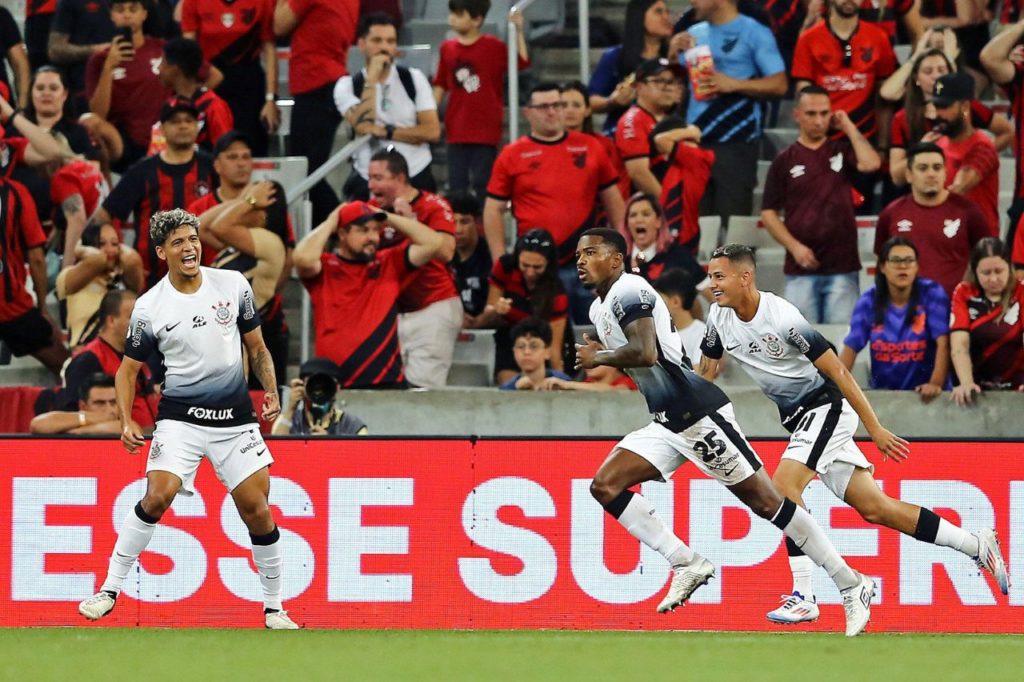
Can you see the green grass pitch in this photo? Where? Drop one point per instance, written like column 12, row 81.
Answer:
column 154, row 655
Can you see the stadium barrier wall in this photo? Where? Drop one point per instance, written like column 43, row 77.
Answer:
column 467, row 533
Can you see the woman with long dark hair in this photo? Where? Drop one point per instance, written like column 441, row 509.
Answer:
column 987, row 332
column 645, row 35
column 652, row 249
column 524, row 284
column 904, row 320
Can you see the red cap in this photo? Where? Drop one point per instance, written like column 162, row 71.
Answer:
column 358, row 212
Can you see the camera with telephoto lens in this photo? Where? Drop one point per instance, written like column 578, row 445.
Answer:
column 319, row 376
column 320, row 389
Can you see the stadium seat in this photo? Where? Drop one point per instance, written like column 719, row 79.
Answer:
column 474, row 347
column 289, row 171
column 762, row 172
column 750, row 231
column 710, row 236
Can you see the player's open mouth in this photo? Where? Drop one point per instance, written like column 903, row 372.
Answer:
column 188, row 261
column 581, row 274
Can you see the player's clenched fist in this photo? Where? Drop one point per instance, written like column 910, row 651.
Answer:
column 131, row 436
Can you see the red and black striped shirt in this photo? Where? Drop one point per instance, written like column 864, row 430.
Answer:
column 153, row 185
column 507, row 276
column 355, row 309
column 1015, row 90
column 229, row 33
column 689, row 169
column 20, row 231
column 997, row 349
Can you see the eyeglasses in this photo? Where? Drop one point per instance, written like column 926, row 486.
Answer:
column 525, row 346
column 664, row 82
column 901, row 260
column 549, row 106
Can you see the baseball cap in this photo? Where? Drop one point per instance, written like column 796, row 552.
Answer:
column 358, row 212
column 173, row 106
column 652, row 67
column 318, row 366
column 953, row 87
column 228, row 139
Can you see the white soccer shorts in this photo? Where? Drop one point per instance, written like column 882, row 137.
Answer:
column 715, row 444
column 236, row 452
column 823, row 441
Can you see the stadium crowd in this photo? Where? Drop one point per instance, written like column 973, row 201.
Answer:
column 117, row 109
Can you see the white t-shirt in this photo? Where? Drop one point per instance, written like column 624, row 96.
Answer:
column 691, row 338
column 675, row 395
column 393, row 108
column 199, row 338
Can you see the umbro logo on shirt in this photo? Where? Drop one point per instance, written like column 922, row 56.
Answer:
column 836, row 163
column 798, row 170
column 904, row 226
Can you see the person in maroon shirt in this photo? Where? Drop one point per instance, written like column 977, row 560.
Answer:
column 659, row 87
column 943, row 226
column 321, row 32
column 811, row 183
column 535, row 173
column 972, row 164
column 430, row 307
column 355, row 290
column 123, row 88
column 986, row 328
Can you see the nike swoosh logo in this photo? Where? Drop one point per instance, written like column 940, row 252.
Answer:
column 169, row 327
column 732, row 348
column 261, row 452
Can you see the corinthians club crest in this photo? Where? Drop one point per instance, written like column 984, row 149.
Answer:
column 222, row 313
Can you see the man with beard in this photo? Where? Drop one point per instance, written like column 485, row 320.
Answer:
column 810, row 183
column 943, row 226
column 355, row 290
column 850, row 59
column 972, row 163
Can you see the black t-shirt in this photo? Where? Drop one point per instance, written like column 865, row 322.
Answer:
column 86, row 22
column 9, row 37
column 471, row 278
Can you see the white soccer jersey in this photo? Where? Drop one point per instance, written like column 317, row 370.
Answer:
column 675, row 395
column 777, row 348
column 199, row 338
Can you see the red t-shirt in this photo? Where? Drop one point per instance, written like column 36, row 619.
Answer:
column 689, row 169
column 229, row 33
column 943, row 235
column 320, row 42
column 899, row 133
column 36, row 7
column 885, row 16
column 632, row 138
column 553, row 185
column 12, row 152
column 136, row 95
column 432, row 282
column 997, row 345
column 356, row 316
column 850, row 76
column 78, row 177
column 211, row 199
column 474, row 77
column 1015, row 90
column 215, row 119
column 977, row 152
column 20, row 232
column 507, row 276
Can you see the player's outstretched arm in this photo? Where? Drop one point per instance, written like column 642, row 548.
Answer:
column 124, row 385
column 707, row 368
column 263, row 366
column 641, row 349
column 888, row 443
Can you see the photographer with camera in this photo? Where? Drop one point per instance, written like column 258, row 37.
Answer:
column 311, row 409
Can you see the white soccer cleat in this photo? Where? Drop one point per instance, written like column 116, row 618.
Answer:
column 279, row 620
column 794, row 609
column 98, row 605
column 685, row 581
column 857, row 604
column 990, row 558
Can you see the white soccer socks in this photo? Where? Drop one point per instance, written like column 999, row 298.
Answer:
column 266, row 554
column 797, row 524
column 638, row 517
column 136, row 532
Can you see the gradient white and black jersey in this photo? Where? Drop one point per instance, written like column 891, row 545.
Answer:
column 199, row 339
column 777, row 348
column 675, row 395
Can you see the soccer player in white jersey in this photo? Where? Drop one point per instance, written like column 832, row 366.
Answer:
column 819, row 403
column 693, row 420
column 197, row 319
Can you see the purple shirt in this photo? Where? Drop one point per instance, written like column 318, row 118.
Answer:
column 902, row 350
column 812, row 188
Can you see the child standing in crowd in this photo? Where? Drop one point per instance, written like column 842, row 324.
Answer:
column 471, row 70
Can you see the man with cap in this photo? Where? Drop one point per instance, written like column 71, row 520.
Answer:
column 972, row 163
column 311, row 408
column 659, row 89
column 355, row 289
column 246, row 227
column 174, row 178
column 810, row 183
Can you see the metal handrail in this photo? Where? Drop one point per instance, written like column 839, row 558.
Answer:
column 343, row 155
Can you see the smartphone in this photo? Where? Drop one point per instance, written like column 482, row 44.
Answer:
column 125, row 33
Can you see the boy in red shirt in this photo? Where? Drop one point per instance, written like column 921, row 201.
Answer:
column 471, row 70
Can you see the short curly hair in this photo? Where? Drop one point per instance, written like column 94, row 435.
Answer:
column 163, row 223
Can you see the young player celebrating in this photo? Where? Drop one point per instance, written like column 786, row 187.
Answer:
column 197, row 318
column 819, row 403
column 693, row 420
